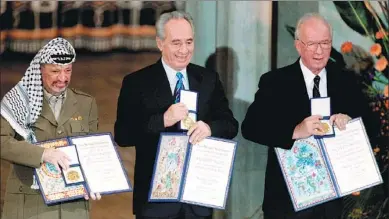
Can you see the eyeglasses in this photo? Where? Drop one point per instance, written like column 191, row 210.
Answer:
column 312, row 46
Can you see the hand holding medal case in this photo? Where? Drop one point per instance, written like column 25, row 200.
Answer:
column 73, row 175
column 322, row 106
column 189, row 98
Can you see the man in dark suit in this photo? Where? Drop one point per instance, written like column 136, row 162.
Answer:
column 146, row 107
column 280, row 113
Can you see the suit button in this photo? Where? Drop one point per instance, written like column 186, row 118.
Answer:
column 59, row 132
column 20, row 188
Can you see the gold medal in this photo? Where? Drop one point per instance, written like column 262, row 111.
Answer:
column 188, row 122
column 326, row 127
column 73, row 175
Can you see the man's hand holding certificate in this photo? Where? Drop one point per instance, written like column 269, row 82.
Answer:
column 318, row 170
column 193, row 167
column 81, row 167
column 73, row 174
column 198, row 174
column 197, row 130
column 340, row 120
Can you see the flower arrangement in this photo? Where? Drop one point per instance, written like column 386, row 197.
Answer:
column 372, row 69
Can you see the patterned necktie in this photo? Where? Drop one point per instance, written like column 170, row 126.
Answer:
column 316, row 92
column 179, row 87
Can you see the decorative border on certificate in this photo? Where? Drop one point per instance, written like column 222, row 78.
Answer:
column 330, row 165
column 230, row 171
column 71, row 139
column 51, row 182
column 169, row 167
column 60, row 142
column 302, row 181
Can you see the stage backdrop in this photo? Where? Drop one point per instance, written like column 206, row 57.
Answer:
column 97, row 26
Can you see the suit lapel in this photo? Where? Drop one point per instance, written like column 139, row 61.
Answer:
column 194, row 78
column 68, row 108
column 162, row 92
column 331, row 80
column 298, row 85
column 47, row 113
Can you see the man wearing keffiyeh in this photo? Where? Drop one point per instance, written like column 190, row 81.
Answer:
column 42, row 107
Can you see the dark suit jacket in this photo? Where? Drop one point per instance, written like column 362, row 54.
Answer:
column 144, row 97
column 281, row 103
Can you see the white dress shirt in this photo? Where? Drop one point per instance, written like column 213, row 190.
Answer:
column 171, row 76
column 309, row 83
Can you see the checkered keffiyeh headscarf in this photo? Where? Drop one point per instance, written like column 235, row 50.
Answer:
column 22, row 105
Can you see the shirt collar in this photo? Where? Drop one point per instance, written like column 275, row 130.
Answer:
column 171, row 73
column 309, row 76
column 50, row 97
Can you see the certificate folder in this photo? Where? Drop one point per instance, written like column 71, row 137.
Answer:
column 320, row 170
column 101, row 165
column 81, row 178
column 51, row 181
column 197, row 174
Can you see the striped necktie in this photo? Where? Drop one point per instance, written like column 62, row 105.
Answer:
column 179, row 87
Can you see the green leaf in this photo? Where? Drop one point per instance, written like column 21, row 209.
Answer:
column 357, row 17
column 378, row 86
column 290, row 29
column 381, row 77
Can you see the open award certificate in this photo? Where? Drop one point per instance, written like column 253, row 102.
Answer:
column 100, row 164
column 320, row 170
column 51, row 182
column 199, row 174
column 95, row 167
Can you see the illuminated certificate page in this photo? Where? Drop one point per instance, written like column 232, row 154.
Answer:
column 209, row 173
column 101, row 165
column 351, row 159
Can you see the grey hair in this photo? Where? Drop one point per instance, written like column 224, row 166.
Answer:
column 166, row 17
column 307, row 17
